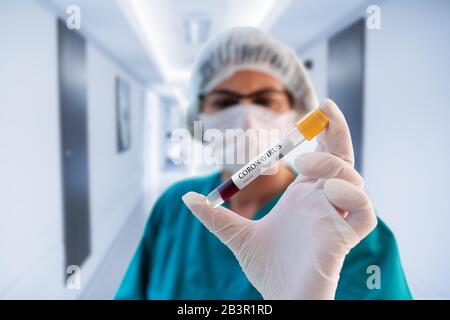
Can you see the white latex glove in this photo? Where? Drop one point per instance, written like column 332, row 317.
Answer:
column 297, row 250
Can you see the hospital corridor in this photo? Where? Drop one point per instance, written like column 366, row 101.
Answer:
column 110, row 113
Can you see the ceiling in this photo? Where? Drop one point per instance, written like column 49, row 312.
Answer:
column 157, row 41
column 164, row 26
column 307, row 20
column 104, row 23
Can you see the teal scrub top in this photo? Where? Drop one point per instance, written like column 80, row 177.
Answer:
column 178, row 258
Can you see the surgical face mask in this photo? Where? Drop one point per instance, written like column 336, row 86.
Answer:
column 245, row 131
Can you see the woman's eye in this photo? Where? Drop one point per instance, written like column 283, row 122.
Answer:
column 263, row 102
column 221, row 104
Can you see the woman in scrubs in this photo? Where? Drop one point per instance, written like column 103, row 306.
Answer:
column 243, row 80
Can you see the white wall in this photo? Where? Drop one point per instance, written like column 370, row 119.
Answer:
column 30, row 206
column 318, row 73
column 31, row 233
column 406, row 150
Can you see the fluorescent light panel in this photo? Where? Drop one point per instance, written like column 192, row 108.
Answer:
column 150, row 19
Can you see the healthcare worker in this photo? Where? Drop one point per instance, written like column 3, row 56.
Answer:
column 311, row 234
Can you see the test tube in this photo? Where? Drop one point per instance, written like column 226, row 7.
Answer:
column 305, row 129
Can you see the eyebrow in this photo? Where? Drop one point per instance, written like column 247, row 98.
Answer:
column 238, row 95
column 242, row 95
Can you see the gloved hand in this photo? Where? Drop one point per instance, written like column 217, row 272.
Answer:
column 297, row 250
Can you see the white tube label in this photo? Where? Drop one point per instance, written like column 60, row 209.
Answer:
column 259, row 165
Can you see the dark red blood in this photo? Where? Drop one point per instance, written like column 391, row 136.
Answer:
column 227, row 189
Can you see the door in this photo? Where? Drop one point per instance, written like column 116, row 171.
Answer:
column 74, row 143
column 346, row 80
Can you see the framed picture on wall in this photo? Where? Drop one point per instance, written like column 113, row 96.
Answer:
column 123, row 115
